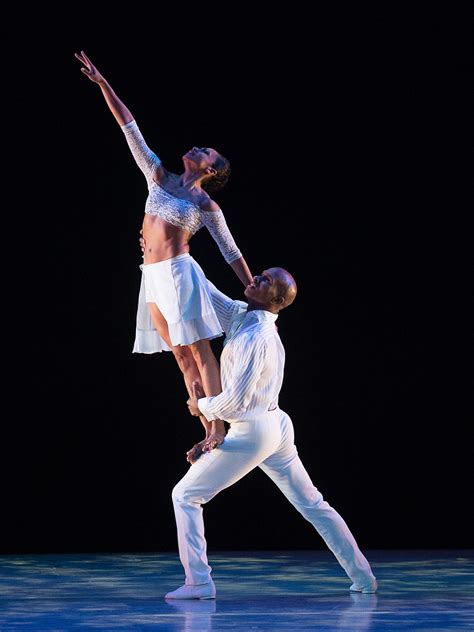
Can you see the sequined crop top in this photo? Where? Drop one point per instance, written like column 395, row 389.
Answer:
column 176, row 211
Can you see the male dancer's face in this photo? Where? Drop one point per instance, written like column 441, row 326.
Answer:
column 269, row 290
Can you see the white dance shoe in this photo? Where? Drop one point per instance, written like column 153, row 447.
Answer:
column 197, row 591
column 366, row 589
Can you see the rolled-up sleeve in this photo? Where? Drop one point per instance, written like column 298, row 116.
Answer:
column 248, row 368
column 226, row 309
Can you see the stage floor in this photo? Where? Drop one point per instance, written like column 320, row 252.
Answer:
column 256, row 590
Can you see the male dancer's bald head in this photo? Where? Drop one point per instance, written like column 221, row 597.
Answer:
column 273, row 290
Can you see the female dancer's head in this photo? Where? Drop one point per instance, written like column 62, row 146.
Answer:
column 214, row 167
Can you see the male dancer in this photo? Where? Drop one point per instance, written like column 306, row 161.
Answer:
column 260, row 435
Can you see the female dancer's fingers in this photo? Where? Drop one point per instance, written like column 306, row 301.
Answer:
column 81, row 59
column 86, row 58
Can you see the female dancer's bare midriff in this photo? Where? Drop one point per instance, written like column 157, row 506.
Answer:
column 163, row 240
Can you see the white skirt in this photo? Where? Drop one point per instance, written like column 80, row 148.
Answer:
column 178, row 286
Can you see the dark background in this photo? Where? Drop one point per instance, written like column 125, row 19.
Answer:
column 347, row 132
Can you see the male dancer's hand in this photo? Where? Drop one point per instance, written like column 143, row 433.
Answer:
column 142, row 242
column 195, row 452
column 196, row 393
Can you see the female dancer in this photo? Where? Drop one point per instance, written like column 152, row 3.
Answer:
column 173, row 285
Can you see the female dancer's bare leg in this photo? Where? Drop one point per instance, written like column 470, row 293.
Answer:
column 198, row 365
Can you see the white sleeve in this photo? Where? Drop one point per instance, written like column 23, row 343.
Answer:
column 235, row 399
column 217, row 226
column 224, row 306
column 144, row 157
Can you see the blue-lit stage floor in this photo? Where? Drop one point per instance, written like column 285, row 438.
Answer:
column 270, row 590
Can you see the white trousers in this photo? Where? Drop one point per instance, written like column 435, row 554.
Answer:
column 267, row 443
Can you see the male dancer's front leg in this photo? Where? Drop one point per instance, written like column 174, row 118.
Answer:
column 247, row 444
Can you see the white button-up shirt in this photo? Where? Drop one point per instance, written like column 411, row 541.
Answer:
column 252, row 362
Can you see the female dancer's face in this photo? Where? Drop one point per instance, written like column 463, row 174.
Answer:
column 200, row 157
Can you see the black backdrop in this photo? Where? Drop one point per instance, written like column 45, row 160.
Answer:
column 344, row 131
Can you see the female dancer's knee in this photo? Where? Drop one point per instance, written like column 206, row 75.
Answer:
column 184, row 358
column 203, row 355
column 207, row 366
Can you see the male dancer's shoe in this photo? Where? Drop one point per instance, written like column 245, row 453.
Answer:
column 196, row 591
column 369, row 588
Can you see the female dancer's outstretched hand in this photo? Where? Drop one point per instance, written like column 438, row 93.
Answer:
column 90, row 70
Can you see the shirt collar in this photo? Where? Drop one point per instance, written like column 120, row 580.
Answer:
column 262, row 315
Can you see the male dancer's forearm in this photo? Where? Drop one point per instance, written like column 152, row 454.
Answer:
column 121, row 113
